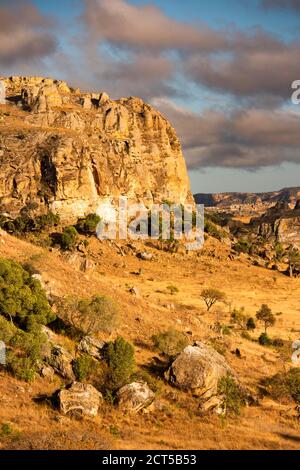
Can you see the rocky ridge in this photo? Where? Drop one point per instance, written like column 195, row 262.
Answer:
column 66, row 151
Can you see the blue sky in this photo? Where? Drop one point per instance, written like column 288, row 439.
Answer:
column 221, row 71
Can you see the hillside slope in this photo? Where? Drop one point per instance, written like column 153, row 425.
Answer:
column 174, row 423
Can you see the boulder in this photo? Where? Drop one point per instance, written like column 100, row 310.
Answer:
column 61, row 361
column 80, row 397
column 135, row 397
column 145, row 256
column 91, row 346
column 198, row 368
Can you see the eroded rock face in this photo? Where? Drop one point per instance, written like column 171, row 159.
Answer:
column 135, row 397
column 83, row 398
column 67, row 151
column 280, row 223
column 198, row 368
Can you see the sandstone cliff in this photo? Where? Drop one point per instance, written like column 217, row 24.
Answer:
column 64, row 150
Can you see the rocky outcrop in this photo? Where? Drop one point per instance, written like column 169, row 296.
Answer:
column 68, row 151
column 198, row 368
column 82, row 398
column 280, row 223
column 61, row 361
column 135, row 397
column 92, row 346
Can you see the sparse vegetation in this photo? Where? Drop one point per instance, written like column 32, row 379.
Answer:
column 285, row 385
column 26, row 223
column 242, row 246
column 233, row 395
column 90, row 316
column 170, row 343
column 173, row 289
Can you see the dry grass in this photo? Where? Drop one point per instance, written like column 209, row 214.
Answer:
column 175, row 422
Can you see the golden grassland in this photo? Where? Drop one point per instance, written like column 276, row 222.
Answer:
column 175, row 421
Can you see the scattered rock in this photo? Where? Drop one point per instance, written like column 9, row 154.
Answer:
column 92, row 346
column 198, row 368
column 61, row 361
column 47, row 372
column 134, row 290
column 135, row 397
column 145, row 256
column 80, row 397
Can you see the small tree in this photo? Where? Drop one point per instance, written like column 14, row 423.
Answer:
column 266, row 316
column 294, row 260
column 212, row 296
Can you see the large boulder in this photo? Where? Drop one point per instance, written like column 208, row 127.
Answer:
column 198, row 368
column 135, row 397
column 92, row 346
column 61, row 361
column 80, row 397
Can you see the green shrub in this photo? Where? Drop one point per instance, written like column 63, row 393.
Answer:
column 83, row 367
column 285, row 385
column 24, row 223
column 26, row 350
column 264, row 340
column 121, row 362
column 88, row 224
column 233, row 396
column 170, row 343
column 68, row 238
column 22, row 298
column 250, row 325
column 242, row 246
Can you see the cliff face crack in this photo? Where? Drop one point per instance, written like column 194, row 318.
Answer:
column 48, row 177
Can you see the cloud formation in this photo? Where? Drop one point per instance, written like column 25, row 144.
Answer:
column 260, row 71
column 24, row 34
column 248, row 139
column 145, row 26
